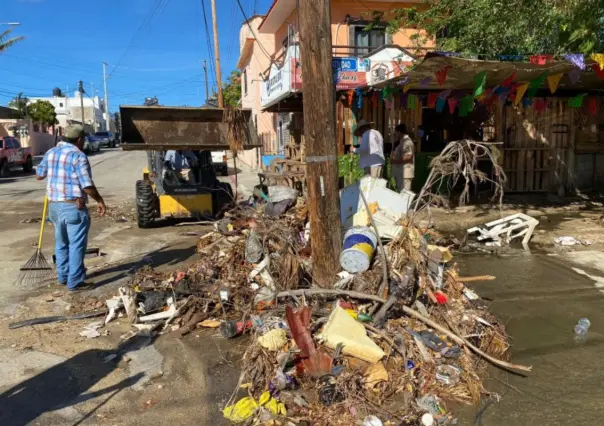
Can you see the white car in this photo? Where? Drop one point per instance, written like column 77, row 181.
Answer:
column 219, row 161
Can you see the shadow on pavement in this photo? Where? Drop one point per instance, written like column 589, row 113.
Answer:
column 157, row 258
column 66, row 384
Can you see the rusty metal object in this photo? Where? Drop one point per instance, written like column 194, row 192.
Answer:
column 164, row 128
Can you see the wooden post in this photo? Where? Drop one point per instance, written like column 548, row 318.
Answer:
column 217, row 54
column 320, row 138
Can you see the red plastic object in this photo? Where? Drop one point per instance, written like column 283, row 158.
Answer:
column 441, row 298
column 314, row 362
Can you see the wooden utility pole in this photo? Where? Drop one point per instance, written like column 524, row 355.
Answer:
column 217, row 54
column 205, row 73
column 81, row 90
column 320, row 139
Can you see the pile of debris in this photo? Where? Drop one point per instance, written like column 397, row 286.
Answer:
column 397, row 336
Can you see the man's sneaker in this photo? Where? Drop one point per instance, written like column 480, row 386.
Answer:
column 82, row 287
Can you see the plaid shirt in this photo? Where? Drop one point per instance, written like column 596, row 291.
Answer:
column 68, row 172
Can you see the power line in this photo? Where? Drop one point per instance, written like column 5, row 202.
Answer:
column 253, row 33
column 143, row 27
column 209, row 45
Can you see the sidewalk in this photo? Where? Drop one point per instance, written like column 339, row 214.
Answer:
column 247, row 178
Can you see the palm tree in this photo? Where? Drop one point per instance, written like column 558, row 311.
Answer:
column 6, row 42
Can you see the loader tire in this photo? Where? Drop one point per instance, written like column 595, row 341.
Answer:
column 145, row 204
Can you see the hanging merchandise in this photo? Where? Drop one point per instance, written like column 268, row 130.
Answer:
column 541, row 59
column 374, row 99
column 412, row 102
column 599, row 58
column 574, row 75
column 508, row 81
column 599, row 71
column 520, row 91
column 592, row 105
column 535, row 85
column 404, row 100
column 359, row 94
column 480, row 82
column 553, row 81
column 386, row 93
column 440, row 104
column 452, row 104
column 577, row 101
column 577, row 59
column 445, row 94
column 432, row 97
column 425, row 82
column 441, row 75
column 527, row 102
column 503, row 95
column 539, row 104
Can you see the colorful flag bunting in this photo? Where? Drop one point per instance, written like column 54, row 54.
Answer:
column 592, row 105
column 445, row 94
column 578, row 59
column 535, row 85
column 541, row 59
column 467, row 105
column 386, row 93
column 387, row 103
column 553, row 81
column 520, row 91
column 599, row 58
column 432, row 97
column 527, row 102
column 577, row 101
column 452, row 104
column 440, row 104
column 374, row 99
column 574, row 75
column 412, row 102
column 599, row 71
column 480, row 82
column 539, row 104
column 508, row 81
column 441, row 75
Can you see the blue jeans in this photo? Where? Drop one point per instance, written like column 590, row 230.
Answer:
column 71, row 238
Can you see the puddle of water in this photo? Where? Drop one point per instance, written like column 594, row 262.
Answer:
column 540, row 299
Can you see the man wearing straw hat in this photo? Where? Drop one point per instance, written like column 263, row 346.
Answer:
column 69, row 183
column 371, row 149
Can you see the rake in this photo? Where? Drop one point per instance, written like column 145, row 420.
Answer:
column 37, row 269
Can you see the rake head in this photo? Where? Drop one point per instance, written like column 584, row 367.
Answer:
column 35, row 272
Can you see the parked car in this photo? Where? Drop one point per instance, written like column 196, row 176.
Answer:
column 91, row 145
column 12, row 154
column 219, row 161
column 106, row 139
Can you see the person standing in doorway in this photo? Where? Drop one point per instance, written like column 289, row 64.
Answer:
column 402, row 159
column 69, row 184
column 371, row 149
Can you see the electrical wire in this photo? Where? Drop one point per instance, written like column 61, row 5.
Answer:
column 208, row 38
column 253, row 33
column 143, row 27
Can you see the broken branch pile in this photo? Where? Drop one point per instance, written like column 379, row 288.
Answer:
column 388, row 343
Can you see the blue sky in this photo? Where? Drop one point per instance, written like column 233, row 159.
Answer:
column 153, row 47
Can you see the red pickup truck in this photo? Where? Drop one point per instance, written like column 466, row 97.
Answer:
column 11, row 155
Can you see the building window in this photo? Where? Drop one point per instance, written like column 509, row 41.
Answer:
column 366, row 41
column 60, row 104
column 244, row 77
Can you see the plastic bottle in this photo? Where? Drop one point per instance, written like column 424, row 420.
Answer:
column 582, row 327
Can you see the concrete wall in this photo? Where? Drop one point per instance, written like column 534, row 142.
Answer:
column 38, row 142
